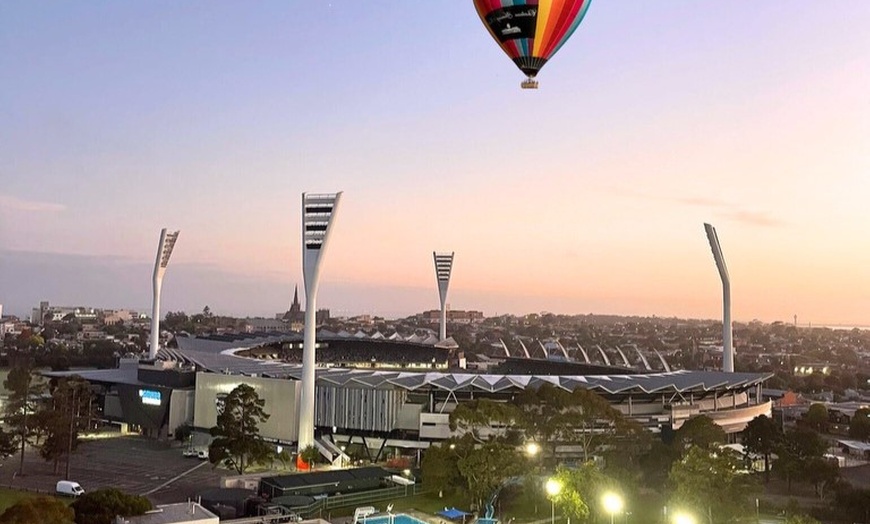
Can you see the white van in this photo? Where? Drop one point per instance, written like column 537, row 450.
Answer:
column 68, row 487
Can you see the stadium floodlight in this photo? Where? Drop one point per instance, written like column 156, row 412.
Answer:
column 443, row 268
column 318, row 215
column 727, row 344
column 164, row 251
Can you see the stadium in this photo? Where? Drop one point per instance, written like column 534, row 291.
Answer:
column 389, row 395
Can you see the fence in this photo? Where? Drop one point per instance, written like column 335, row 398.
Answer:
column 365, row 498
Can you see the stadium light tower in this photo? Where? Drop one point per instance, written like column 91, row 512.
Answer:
column 727, row 344
column 443, row 268
column 318, row 215
column 164, row 251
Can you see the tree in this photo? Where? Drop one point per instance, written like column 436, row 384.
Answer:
column 484, row 419
column 8, row 445
column 711, row 483
column 23, row 389
column 821, row 473
column 237, row 440
column 817, row 417
column 859, row 427
column 103, row 505
column 310, row 455
column 701, row 432
column 45, row 510
column 68, row 414
column 440, row 469
column 486, row 466
column 794, row 453
column 540, row 412
column 580, row 486
column 761, row 437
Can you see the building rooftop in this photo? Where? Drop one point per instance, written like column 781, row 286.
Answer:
column 181, row 513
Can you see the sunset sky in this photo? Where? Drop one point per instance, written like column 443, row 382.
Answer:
column 588, row 195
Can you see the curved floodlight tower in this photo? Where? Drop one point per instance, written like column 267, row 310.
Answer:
column 443, row 268
column 642, row 358
column 727, row 344
column 318, row 215
column 603, row 355
column 663, row 361
column 624, row 358
column 525, row 349
column 585, row 355
column 164, row 251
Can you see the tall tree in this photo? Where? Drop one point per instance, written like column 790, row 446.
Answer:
column 237, row 432
column 580, row 488
column 761, row 437
column 795, row 452
column 859, row 427
column 44, row 510
column 484, row 419
column 817, row 417
column 699, row 431
column 440, row 469
column 68, row 415
column 24, row 389
column 103, row 505
column 711, row 483
column 486, row 466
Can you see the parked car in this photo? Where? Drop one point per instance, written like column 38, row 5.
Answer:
column 189, row 452
column 202, row 454
column 69, row 488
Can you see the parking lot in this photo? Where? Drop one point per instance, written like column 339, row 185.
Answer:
column 130, row 463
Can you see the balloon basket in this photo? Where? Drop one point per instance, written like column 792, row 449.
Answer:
column 529, row 83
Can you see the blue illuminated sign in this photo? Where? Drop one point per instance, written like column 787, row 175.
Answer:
column 150, row 397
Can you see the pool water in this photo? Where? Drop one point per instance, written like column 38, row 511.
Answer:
column 387, row 519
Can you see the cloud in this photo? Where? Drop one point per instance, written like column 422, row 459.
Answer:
column 729, row 211
column 13, row 203
column 724, row 209
column 753, row 218
column 701, row 201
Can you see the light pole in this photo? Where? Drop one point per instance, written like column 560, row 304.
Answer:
column 612, row 504
column 683, row 518
column 553, row 487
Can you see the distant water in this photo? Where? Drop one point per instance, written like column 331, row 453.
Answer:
column 839, row 327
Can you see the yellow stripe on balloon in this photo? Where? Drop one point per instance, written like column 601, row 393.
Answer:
column 541, row 26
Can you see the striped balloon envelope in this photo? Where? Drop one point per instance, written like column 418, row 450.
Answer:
column 531, row 31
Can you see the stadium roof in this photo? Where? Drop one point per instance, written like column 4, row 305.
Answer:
column 676, row 381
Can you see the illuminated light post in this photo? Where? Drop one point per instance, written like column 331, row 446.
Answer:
column 532, row 449
column 727, row 344
column 318, row 215
column 612, row 504
column 164, row 251
column 553, row 488
column 443, row 268
column 683, row 518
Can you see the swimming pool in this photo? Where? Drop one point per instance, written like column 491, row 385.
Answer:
column 400, row 518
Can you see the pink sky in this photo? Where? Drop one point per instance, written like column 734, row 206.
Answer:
column 586, row 196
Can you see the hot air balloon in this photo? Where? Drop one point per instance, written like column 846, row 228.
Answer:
column 531, row 31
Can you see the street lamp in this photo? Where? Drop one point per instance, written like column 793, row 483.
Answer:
column 553, row 487
column 612, row 504
column 532, row 449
